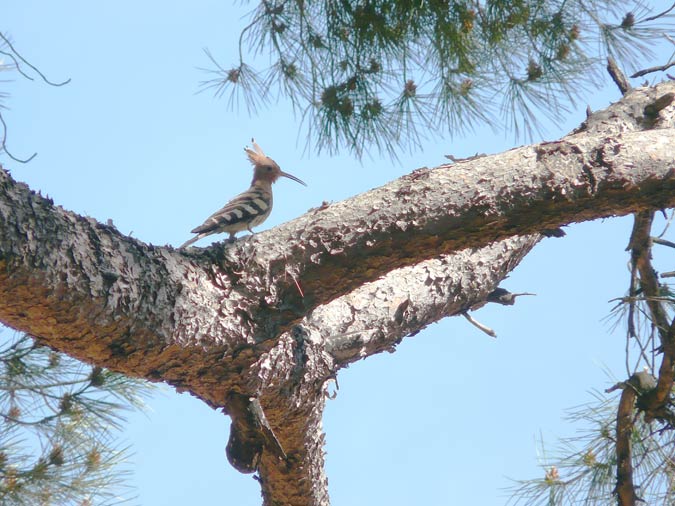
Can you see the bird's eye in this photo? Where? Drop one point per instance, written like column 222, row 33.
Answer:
column 269, row 169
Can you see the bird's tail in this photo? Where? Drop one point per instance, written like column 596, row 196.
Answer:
column 191, row 241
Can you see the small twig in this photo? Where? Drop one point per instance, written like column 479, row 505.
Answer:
column 18, row 60
column 26, row 62
column 632, row 291
column 455, row 159
column 658, row 68
column 669, row 274
column 661, row 68
column 618, row 76
column 617, row 386
column 669, row 220
column 16, row 65
column 656, row 16
column 663, row 242
column 297, row 285
column 479, row 325
column 502, row 296
column 3, row 144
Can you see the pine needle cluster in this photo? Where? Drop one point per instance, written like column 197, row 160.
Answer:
column 59, row 424
column 385, row 74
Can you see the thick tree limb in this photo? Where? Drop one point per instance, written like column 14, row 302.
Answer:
column 430, row 212
column 229, row 324
column 433, row 212
column 330, row 252
column 371, row 319
column 376, row 316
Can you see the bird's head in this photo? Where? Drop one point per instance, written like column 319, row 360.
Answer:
column 264, row 168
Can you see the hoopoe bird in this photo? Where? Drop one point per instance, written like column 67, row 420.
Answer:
column 248, row 209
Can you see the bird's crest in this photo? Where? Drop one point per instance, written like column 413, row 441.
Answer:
column 256, row 155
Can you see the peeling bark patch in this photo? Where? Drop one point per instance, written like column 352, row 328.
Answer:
column 592, row 181
column 548, row 150
column 368, row 320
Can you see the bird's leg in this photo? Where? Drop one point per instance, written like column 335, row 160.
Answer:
column 249, row 229
column 231, row 238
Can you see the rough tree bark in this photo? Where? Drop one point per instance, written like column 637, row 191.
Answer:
column 259, row 327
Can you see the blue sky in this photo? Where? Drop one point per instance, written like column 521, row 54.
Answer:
column 129, row 139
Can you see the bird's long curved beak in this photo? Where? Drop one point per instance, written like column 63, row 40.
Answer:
column 291, row 176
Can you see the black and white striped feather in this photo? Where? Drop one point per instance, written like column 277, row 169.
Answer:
column 243, row 212
column 246, row 210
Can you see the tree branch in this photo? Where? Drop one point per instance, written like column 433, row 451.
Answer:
column 407, row 300
column 625, row 489
column 228, row 322
column 333, row 251
column 654, row 403
column 618, row 76
column 649, row 70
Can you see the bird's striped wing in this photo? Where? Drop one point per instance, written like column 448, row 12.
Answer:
column 246, row 208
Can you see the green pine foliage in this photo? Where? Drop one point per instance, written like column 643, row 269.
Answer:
column 384, row 74
column 59, row 427
column 582, row 469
